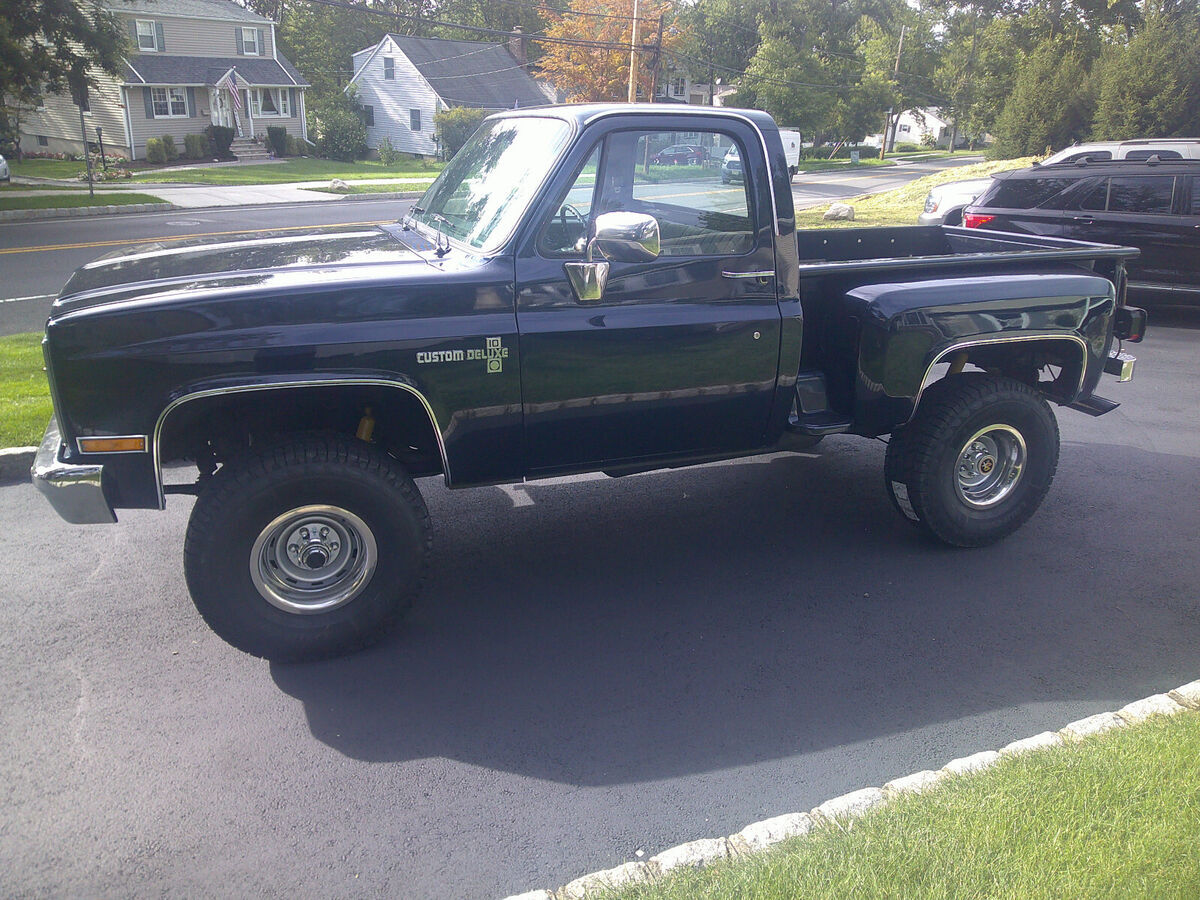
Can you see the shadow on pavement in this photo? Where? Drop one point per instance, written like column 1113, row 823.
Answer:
column 690, row 621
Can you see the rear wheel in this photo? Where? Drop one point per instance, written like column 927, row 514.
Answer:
column 976, row 461
column 307, row 548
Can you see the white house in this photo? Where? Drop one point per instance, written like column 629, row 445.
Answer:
column 913, row 125
column 403, row 81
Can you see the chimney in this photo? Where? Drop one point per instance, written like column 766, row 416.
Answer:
column 516, row 45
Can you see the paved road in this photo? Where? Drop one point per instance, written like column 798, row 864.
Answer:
column 37, row 256
column 597, row 667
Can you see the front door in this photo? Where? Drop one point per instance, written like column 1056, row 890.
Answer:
column 218, row 104
column 680, row 355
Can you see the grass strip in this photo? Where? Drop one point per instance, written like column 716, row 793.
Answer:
column 1114, row 816
column 403, row 187
column 24, row 394
column 66, row 201
column 46, row 168
column 902, row 205
column 299, row 169
column 829, row 165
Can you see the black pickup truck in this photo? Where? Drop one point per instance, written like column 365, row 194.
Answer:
column 557, row 302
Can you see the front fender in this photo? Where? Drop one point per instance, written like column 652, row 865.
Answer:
column 908, row 328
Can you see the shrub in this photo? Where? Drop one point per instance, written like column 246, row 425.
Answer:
column 155, row 152
column 339, row 128
column 298, row 147
column 219, row 140
column 455, row 126
column 169, row 148
column 195, row 146
column 388, row 155
column 277, row 140
column 928, row 142
column 906, row 147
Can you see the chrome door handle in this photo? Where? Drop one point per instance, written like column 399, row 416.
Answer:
column 1086, row 220
column 763, row 275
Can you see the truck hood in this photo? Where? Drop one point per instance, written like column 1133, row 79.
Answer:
column 215, row 262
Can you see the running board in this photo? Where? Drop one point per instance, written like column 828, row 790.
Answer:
column 819, row 424
column 1093, row 406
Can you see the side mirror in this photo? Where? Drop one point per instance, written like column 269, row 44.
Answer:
column 620, row 236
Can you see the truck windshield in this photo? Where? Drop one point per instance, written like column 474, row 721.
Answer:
column 482, row 193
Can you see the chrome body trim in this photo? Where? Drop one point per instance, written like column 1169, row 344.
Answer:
column 75, row 492
column 764, row 273
column 113, row 437
column 1158, row 286
column 285, row 385
column 1007, row 339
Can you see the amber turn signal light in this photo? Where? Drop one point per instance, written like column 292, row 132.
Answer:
column 113, row 444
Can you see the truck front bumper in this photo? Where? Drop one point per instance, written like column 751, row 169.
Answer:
column 76, row 492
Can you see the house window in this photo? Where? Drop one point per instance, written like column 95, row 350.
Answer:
column 904, row 129
column 368, row 113
column 389, row 69
column 678, row 86
column 169, row 103
column 43, row 141
column 85, row 105
column 267, row 102
column 414, row 119
column 147, row 42
column 250, row 42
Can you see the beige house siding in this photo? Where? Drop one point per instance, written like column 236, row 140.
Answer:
column 145, row 128
column 58, row 122
column 198, row 37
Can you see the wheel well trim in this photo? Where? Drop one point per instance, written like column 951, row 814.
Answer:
column 959, row 346
column 286, row 385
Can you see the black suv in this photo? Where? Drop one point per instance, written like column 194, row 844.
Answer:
column 1152, row 204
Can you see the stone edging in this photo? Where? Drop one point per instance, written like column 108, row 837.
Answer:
column 759, row 836
column 64, row 212
column 15, row 463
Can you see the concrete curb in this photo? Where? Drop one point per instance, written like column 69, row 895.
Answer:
column 71, row 212
column 15, row 463
column 386, row 195
column 760, row 836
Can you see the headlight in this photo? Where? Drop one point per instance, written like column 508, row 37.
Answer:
column 931, row 204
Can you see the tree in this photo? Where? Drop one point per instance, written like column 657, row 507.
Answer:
column 601, row 73
column 1051, row 103
column 53, row 46
column 455, row 126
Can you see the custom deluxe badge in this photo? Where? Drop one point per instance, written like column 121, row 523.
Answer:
column 493, row 353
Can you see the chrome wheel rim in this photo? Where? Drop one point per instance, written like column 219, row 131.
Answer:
column 990, row 465
column 313, row 559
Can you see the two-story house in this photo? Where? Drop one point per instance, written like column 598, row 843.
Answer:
column 403, row 81
column 194, row 63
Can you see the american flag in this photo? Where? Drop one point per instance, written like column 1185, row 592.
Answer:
column 228, row 84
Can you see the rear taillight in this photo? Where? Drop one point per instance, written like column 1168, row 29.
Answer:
column 975, row 220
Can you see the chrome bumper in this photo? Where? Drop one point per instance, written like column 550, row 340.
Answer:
column 75, row 492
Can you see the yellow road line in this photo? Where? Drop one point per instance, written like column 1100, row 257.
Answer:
column 181, row 237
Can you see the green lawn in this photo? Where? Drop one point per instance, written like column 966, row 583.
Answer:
column 1115, row 816
column 46, row 168
column 403, row 187
column 299, row 169
column 63, row 201
column 831, row 165
column 24, row 395
column 902, row 205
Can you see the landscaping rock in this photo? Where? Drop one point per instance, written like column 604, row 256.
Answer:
column 760, row 835
column 532, row 895
column 338, row 185
column 976, row 762
column 915, row 783
column 696, row 854
column 1187, row 694
column 850, row 806
column 1156, row 705
column 839, row 212
column 1037, row 742
column 1097, row 724
column 598, row 883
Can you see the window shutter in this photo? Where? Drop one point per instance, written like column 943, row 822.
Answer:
column 237, row 36
column 158, row 38
column 292, row 102
column 133, row 31
column 149, row 98
column 191, row 100
column 261, row 47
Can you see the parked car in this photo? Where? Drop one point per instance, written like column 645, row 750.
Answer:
column 1099, row 151
column 5, row 175
column 945, row 203
column 731, row 166
column 680, row 155
column 1154, row 206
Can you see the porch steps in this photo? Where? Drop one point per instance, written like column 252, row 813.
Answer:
column 245, row 149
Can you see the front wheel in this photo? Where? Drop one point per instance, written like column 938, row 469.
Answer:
column 976, row 461
column 308, row 548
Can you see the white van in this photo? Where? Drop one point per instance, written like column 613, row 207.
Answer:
column 1098, row 151
column 791, row 149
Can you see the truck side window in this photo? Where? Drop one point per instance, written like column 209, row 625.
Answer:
column 566, row 231
column 690, row 182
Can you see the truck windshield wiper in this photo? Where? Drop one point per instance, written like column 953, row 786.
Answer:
column 441, row 246
column 406, row 222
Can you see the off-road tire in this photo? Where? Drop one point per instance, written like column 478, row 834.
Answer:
column 923, row 463
column 368, row 493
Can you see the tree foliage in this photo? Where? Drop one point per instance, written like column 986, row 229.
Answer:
column 455, row 126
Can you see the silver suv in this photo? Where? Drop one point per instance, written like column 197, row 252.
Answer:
column 1101, row 151
column 945, row 203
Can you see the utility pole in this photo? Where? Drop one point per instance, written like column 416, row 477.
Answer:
column 896, row 77
column 633, row 55
column 655, row 60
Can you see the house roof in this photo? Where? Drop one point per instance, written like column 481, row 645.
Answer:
column 158, row 68
column 471, row 73
column 224, row 10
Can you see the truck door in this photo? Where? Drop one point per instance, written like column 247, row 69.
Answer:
column 680, row 355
